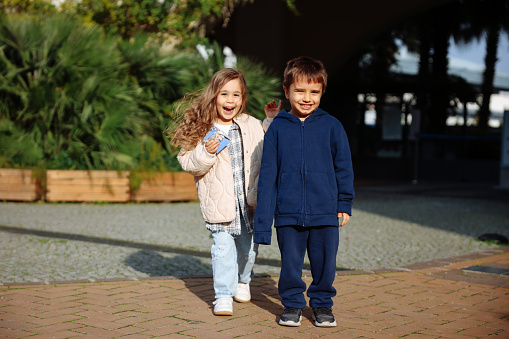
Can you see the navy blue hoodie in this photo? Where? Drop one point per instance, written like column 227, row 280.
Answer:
column 306, row 175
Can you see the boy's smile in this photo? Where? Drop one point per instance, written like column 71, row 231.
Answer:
column 229, row 102
column 304, row 97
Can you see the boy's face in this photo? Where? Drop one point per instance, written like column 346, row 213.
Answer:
column 304, row 97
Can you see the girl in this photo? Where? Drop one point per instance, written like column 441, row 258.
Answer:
column 226, row 178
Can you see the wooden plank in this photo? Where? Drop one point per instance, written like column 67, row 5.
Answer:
column 183, row 179
column 88, row 189
column 164, row 192
column 88, row 182
column 23, row 180
column 75, row 174
column 13, row 172
column 20, row 196
column 166, row 197
column 167, row 186
column 170, row 178
column 87, row 186
column 19, row 185
column 86, row 197
column 17, row 188
column 16, row 176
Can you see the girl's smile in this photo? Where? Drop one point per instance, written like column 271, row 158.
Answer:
column 229, row 102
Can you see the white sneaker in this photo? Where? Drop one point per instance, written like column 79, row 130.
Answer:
column 242, row 294
column 223, row 306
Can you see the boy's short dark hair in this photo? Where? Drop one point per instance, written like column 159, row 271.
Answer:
column 306, row 68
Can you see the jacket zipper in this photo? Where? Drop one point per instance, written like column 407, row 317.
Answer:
column 303, row 176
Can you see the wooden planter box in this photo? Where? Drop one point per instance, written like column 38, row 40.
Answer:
column 19, row 185
column 87, row 186
column 165, row 187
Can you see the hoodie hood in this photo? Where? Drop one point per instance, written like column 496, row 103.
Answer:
column 285, row 114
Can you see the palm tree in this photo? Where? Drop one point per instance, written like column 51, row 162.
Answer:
column 65, row 96
column 487, row 18
column 73, row 97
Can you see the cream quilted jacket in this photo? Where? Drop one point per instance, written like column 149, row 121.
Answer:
column 213, row 174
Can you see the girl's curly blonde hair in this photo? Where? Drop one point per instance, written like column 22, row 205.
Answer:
column 200, row 113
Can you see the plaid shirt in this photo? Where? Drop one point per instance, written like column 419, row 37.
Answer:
column 242, row 209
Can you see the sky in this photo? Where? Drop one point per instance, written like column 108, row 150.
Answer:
column 476, row 51
column 466, row 61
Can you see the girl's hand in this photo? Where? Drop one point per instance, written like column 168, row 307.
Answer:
column 211, row 146
column 271, row 109
column 346, row 218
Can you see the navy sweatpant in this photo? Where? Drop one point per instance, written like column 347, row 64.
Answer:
column 321, row 244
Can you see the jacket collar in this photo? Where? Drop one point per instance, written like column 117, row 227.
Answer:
column 285, row 114
column 241, row 117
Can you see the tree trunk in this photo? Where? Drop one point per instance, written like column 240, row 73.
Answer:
column 439, row 92
column 492, row 40
column 423, row 75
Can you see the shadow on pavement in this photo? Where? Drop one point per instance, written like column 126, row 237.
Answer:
column 265, row 295
column 470, row 209
column 156, row 265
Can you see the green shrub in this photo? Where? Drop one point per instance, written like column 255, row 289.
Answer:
column 72, row 97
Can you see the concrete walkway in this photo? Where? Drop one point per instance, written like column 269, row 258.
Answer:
column 392, row 226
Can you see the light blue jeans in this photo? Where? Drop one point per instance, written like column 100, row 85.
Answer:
column 233, row 258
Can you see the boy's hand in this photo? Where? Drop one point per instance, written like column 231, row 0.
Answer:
column 211, row 146
column 271, row 109
column 346, row 218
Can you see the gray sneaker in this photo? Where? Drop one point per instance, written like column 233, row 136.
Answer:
column 324, row 317
column 291, row 317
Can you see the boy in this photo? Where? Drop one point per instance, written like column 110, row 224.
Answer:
column 305, row 186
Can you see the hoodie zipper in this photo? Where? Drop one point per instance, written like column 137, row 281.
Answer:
column 303, row 172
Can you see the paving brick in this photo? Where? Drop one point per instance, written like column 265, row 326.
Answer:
column 13, row 333
column 199, row 333
column 482, row 331
column 11, row 310
column 404, row 330
column 57, row 335
column 58, row 306
column 57, row 328
column 356, row 333
column 20, row 324
column 99, row 323
column 388, row 305
column 57, row 320
column 130, row 331
column 95, row 332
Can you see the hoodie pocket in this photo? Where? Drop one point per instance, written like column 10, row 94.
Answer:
column 319, row 194
column 289, row 196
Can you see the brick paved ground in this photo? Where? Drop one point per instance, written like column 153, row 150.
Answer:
column 437, row 299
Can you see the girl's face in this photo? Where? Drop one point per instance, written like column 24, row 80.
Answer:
column 228, row 102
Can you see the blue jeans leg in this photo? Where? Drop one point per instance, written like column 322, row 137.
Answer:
column 224, row 264
column 233, row 258
column 246, row 252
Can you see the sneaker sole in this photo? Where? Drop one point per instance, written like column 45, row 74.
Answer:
column 290, row 323
column 326, row 324
column 223, row 313
column 241, row 300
